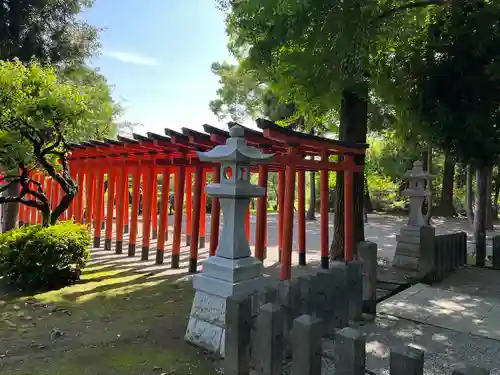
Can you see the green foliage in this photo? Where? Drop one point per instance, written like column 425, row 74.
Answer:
column 47, row 30
column 240, row 94
column 104, row 109
column 307, row 50
column 40, row 113
column 390, row 156
column 38, row 258
column 446, row 77
column 36, row 104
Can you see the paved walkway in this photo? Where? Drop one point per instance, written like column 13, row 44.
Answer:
column 455, row 321
column 446, row 309
column 381, row 229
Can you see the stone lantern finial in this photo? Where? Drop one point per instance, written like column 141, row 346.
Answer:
column 232, row 271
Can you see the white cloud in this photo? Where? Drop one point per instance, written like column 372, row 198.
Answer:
column 132, row 58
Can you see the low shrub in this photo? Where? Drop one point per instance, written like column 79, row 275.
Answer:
column 34, row 257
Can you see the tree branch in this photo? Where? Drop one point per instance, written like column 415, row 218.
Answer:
column 52, row 147
column 27, row 202
column 412, row 5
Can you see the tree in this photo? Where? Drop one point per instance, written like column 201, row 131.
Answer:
column 318, row 53
column 460, row 112
column 40, row 113
column 47, row 30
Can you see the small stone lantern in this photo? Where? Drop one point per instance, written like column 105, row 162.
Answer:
column 408, row 252
column 232, row 271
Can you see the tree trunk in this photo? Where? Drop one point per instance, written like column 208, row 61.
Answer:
column 469, row 196
column 446, row 207
column 11, row 210
column 62, row 206
column 368, row 199
column 312, row 197
column 489, row 203
column 480, row 215
column 353, row 128
column 367, row 202
column 497, row 194
column 428, row 216
column 46, row 217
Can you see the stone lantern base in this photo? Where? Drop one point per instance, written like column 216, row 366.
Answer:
column 408, row 251
column 221, row 278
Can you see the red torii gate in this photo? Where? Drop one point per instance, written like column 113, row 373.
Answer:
column 144, row 157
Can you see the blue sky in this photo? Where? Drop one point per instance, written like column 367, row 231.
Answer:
column 157, row 55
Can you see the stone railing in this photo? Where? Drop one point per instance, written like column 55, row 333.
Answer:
column 269, row 354
column 442, row 254
column 337, row 297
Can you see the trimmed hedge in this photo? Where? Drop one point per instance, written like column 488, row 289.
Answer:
column 34, row 257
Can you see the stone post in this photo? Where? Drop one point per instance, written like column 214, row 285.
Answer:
column 339, row 294
column 467, row 369
column 269, row 350
column 237, row 337
column 306, row 345
column 232, row 271
column 408, row 251
column 350, row 352
column 355, row 284
column 406, row 360
column 367, row 255
column 427, row 265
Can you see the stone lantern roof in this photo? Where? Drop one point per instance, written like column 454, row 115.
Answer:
column 235, row 151
column 416, row 179
column 235, row 158
column 417, row 172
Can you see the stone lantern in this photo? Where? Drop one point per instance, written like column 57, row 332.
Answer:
column 408, row 249
column 232, row 271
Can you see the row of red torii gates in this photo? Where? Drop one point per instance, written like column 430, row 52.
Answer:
column 95, row 164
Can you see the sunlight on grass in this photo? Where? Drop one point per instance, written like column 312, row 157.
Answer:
column 118, row 291
column 131, row 359
column 93, row 284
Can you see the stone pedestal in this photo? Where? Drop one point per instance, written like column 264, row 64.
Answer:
column 408, row 252
column 221, row 278
column 232, row 272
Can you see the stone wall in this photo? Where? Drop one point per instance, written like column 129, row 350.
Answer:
column 268, row 356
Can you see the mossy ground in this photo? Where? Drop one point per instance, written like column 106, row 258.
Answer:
column 115, row 321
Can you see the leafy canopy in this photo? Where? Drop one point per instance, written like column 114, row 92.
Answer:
column 448, row 77
column 47, row 30
column 38, row 106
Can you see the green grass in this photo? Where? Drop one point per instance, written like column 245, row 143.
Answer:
column 114, row 322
